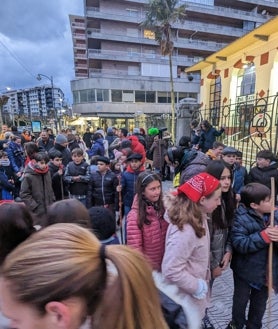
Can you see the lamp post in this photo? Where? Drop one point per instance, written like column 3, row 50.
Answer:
column 39, row 77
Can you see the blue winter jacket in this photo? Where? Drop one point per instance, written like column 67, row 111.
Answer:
column 207, row 138
column 250, row 251
column 128, row 182
column 16, row 156
column 97, row 148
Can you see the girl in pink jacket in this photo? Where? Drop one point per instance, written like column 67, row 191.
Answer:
column 146, row 228
column 186, row 261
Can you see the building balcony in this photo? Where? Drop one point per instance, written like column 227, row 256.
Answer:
column 81, row 36
column 106, row 73
column 139, row 16
column 178, row 42
column 80, row 56
column 77, row 45
column 81, row 66
column 139, row 57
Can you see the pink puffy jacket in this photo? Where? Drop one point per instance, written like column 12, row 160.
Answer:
column 150, row 240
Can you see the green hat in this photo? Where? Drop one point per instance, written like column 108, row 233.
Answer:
column 153, row 131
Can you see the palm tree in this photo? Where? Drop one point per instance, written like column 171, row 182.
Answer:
column 161, row 15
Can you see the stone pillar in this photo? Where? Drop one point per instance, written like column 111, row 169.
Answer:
column 185, row 110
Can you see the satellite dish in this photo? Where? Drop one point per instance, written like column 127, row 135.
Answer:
column 264, row 12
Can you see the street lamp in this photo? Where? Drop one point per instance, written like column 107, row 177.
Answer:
column 39, row 77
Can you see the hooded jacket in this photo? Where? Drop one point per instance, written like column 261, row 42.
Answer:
column 36, row 189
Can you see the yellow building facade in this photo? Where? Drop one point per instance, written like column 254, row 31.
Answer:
column 239, row 89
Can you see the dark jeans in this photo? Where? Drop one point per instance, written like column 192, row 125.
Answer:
column 243, row 293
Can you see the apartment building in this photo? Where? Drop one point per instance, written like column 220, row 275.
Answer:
column 37, row 103
column 121, row 76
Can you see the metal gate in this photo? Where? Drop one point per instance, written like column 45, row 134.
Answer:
column 251, row 124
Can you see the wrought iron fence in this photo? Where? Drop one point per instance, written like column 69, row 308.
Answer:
column 251, row 124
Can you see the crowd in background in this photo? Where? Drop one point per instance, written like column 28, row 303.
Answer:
column 110, row 182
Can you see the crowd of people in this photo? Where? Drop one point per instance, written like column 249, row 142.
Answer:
column 84, row 221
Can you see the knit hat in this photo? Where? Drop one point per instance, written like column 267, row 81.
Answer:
column 110, row 130
column 202, row 184
column 229, row 150
column 61, row 139
column 136, row 131
column 102, row 222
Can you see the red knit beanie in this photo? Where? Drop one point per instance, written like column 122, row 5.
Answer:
column 199, row 185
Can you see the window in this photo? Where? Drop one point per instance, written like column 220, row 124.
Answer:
column 132, row 12
column 116, row 95
column 128, row 96
column 91, row 95
column 246, row 80
column 149, row 34
column 102, row 95
column 83, row 96
column 139, row 96
column 246, row 83
column 144, row 96
column 163, row 97
column 150, row 97
column 215, row 100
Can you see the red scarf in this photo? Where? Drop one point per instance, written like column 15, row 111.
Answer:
column 33, row 165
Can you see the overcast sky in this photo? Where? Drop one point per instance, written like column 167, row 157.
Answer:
column 35, row 37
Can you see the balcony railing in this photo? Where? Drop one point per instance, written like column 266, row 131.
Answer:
column 178, row 41
column 124, row 73
column 138, row 16
column 139, row 57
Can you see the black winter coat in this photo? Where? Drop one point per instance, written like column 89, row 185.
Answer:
column 82, row 170
column 250, row 251
column 102, row 189
column 58, row 185
column 263, row 175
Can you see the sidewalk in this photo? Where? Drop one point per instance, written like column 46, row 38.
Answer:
column 221, row 304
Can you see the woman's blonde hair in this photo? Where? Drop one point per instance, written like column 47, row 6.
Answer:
column 65, row 260
column 182, row 210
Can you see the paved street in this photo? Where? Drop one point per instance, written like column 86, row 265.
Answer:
column 221, row 304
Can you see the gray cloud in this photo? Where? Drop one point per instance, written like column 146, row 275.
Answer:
column 35, row 38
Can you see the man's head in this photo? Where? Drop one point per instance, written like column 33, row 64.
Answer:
column 44, row 136
column 123, row 132
column 264, row 158
column 77, row 155
column 61, row 139
column 41, row 159
column 135, row 161
column 103, row 164
column 55, row 157
column 256, row 196
column 4, row 128
column 217, row 149
column 3, row 155
column 229, row 155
